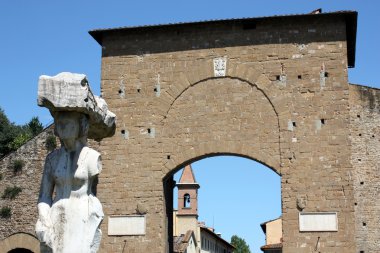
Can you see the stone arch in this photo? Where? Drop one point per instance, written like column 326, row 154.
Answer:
column 252, row 137
column 169, row 184
column 20, row 250
column 182, row 164
column 20, row 241
column 204, row 71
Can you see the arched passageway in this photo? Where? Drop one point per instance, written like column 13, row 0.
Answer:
column 216, row 126
column 20, row 250
column 20, row 243
column 235, row 196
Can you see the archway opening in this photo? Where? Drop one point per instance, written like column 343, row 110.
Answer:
column 230, row 195
column 20, row 250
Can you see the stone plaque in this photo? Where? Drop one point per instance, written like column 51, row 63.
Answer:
column 318, row 222
column 127, row 225
column 220, row 66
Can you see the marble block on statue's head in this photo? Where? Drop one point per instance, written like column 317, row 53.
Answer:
column 71, row 92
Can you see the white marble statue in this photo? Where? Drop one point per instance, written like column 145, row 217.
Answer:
column 69, row 214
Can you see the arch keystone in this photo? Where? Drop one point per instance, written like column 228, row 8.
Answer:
column 263, row 83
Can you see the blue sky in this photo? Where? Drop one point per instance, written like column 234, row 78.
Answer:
column 48, row 37
column 235, row 196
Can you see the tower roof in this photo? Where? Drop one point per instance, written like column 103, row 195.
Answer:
column 187, row 176
column 350, row 18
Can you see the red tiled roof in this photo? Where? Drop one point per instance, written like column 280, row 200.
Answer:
column 180, row 243
column 272, row 246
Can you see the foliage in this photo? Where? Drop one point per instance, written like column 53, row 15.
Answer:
column 11, row 192
column 1, row 176
column 5, row 212
column 17, row 165
column 35, row 126
column 14, row 136
column 240, row 245
column 8, row 131
column 20, row 140
column 51, row 142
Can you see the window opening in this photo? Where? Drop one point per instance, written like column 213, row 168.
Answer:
column 186, row 201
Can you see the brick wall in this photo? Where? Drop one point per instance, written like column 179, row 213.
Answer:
column 365, row 133
column 24, row 206
column 274, row 105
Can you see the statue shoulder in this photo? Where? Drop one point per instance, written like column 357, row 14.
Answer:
column 54, row 155
column 91, row 154
column 51, row 160
column 93, row 161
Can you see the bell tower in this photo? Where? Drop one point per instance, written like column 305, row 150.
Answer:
column 188, row 193
column 186, row 217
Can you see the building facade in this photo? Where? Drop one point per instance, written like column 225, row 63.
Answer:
column 273, row 236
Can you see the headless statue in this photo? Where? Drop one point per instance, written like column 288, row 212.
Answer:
column 69, row 213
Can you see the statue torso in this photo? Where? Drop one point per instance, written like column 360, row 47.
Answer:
column 71, row 172
column 74, row 205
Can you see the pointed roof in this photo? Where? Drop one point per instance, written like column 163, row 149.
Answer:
column 187, row 176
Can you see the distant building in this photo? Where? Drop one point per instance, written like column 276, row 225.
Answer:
column 273, row 236
column 185, row 243
column 213, row 243
column 186, row 227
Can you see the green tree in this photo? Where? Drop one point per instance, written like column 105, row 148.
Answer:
column 8, row 132
column 240, row 245
column 13, row 136
column 35, row 126
column 19, row 140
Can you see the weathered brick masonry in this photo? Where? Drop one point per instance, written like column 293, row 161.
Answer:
column 365, row 135
column 24, row 206
column 284, row 101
